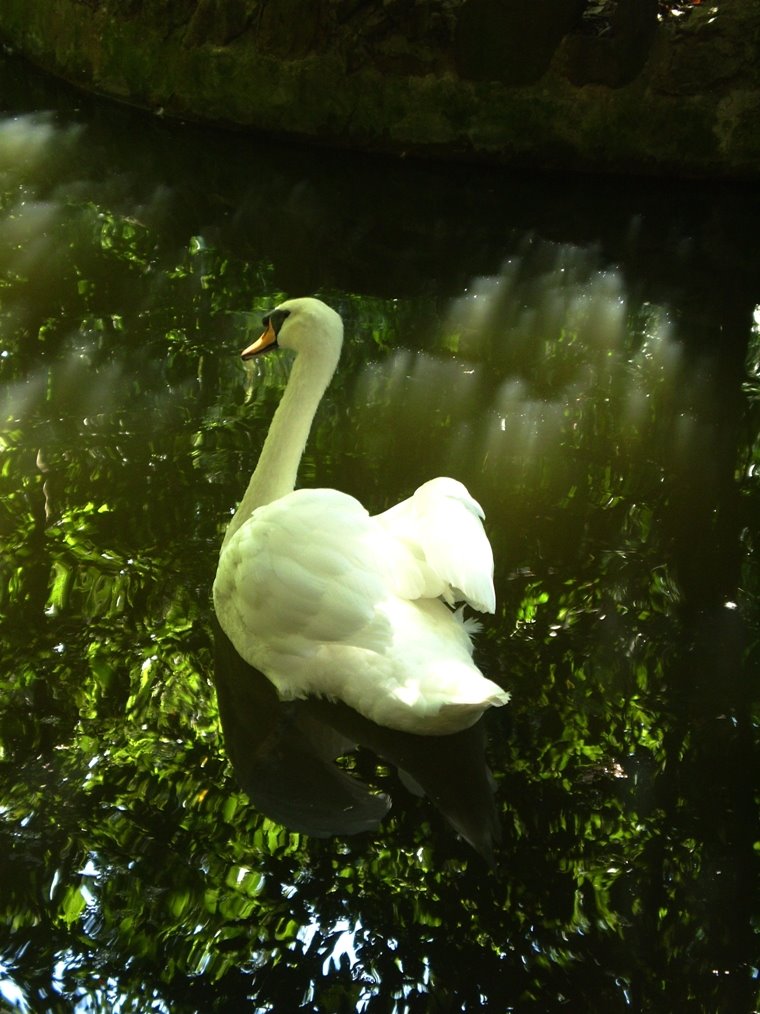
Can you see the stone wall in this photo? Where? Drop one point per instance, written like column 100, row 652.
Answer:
column 541, row 83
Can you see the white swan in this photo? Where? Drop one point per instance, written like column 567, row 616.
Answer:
column 324, row 599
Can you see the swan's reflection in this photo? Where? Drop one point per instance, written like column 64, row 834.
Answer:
column 283, row 755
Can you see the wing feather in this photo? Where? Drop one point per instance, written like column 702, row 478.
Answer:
column 442, row 526
column 303, row 571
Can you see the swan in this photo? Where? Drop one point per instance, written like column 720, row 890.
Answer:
column 325, row 599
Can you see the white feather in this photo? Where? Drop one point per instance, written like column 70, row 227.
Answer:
column 443, row 524
column 324, row 599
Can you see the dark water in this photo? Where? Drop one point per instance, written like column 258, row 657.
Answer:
column 584, row 354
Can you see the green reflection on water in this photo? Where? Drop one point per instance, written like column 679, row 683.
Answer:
column 620, row 481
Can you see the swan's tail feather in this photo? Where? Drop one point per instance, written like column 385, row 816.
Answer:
column 496, row 698
column 452, row 708
column 462, row 714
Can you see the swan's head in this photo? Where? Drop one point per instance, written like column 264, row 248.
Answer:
column 303, row 325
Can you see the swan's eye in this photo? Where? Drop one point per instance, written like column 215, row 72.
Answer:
column 275, row 318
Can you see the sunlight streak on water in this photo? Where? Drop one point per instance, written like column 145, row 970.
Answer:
column 551, row 357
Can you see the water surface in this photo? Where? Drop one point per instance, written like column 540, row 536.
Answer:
column 584, row 355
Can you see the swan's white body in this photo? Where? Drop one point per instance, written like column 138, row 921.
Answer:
column 325, row 599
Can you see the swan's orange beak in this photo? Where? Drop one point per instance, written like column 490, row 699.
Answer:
column 267, row 341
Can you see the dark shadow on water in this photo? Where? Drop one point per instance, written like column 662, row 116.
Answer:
column 283, row 755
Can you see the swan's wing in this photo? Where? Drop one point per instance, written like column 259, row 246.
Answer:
column 442, row 525
column 304, row 570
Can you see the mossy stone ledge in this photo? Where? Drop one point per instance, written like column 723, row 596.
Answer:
column 490, row 80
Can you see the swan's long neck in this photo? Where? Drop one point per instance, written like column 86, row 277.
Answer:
column 277, row 468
